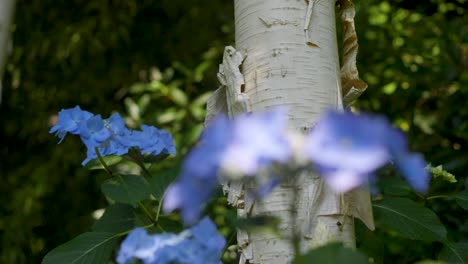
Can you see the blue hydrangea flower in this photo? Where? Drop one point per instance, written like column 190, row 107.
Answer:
column 93, row 132
column 68, row 121
column 121, row 140
column 346, row 149
column 244, row 145
column 153, row 141
column 111, row 136
column 199, row 244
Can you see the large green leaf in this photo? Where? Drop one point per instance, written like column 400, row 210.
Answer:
column 462, row 199
column 410, row 219
column 159, row 183
column 87, row 248
column 395, row 186
column 116, row 219
column 454, row 252
column 333, row 253
column 129, row 189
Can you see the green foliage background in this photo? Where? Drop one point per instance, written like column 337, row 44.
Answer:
column 156, row 62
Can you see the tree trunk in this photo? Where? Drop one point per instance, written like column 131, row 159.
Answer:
column 6, row 16
column 287, row 55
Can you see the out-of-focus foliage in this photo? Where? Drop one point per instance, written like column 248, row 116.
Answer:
column 414, row 56
column 101, row 55
column 156, row 60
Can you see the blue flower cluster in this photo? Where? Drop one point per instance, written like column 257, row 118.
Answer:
column 345, row 149
column 199, row 244
column 111, row 136
column 243, row 146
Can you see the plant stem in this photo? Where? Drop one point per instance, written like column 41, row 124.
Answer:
column 437, row 196
column 296, row 238
column 147, row 212
column 158, row 211
column 103, row 163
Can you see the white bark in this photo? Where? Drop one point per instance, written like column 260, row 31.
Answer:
column 290, row 58
column 6, row 16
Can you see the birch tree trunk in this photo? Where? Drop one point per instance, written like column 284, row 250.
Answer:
column 287, row 55
column 6, row 16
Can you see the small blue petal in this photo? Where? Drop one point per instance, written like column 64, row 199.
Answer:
column 68, row 121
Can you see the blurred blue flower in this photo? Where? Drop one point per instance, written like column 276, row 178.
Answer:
column 199, row 244
column 257, row 141
column 346, row 149
column 198, row 178
column 240, row 146
column 412, row 167
column 68, row 121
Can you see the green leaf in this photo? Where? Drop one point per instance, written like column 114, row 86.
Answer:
column 201, row 100
column 178, row 96
column 87, row 248
column 128, row 189
column 109, row 160
column 333, row 253
column 159, row 183
column 454, row 252
column 116, row 219
column 410, row 219
column 132, row 108
column 462, row 199
column 171, row 223
column 395, row 186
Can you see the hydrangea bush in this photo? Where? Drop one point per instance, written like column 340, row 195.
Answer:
column 345, row 149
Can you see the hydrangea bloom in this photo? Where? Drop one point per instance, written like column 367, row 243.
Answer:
column 111, row 136
column 257, row 141
column 240, row 146
column 68, row 121
column 93, row 132
column 153, row 141
column 199, row 244
column 347, row 149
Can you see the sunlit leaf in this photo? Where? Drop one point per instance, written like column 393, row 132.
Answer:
column 110, row 160
column 439, row 172
column 178, row 96
column 132, row 108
